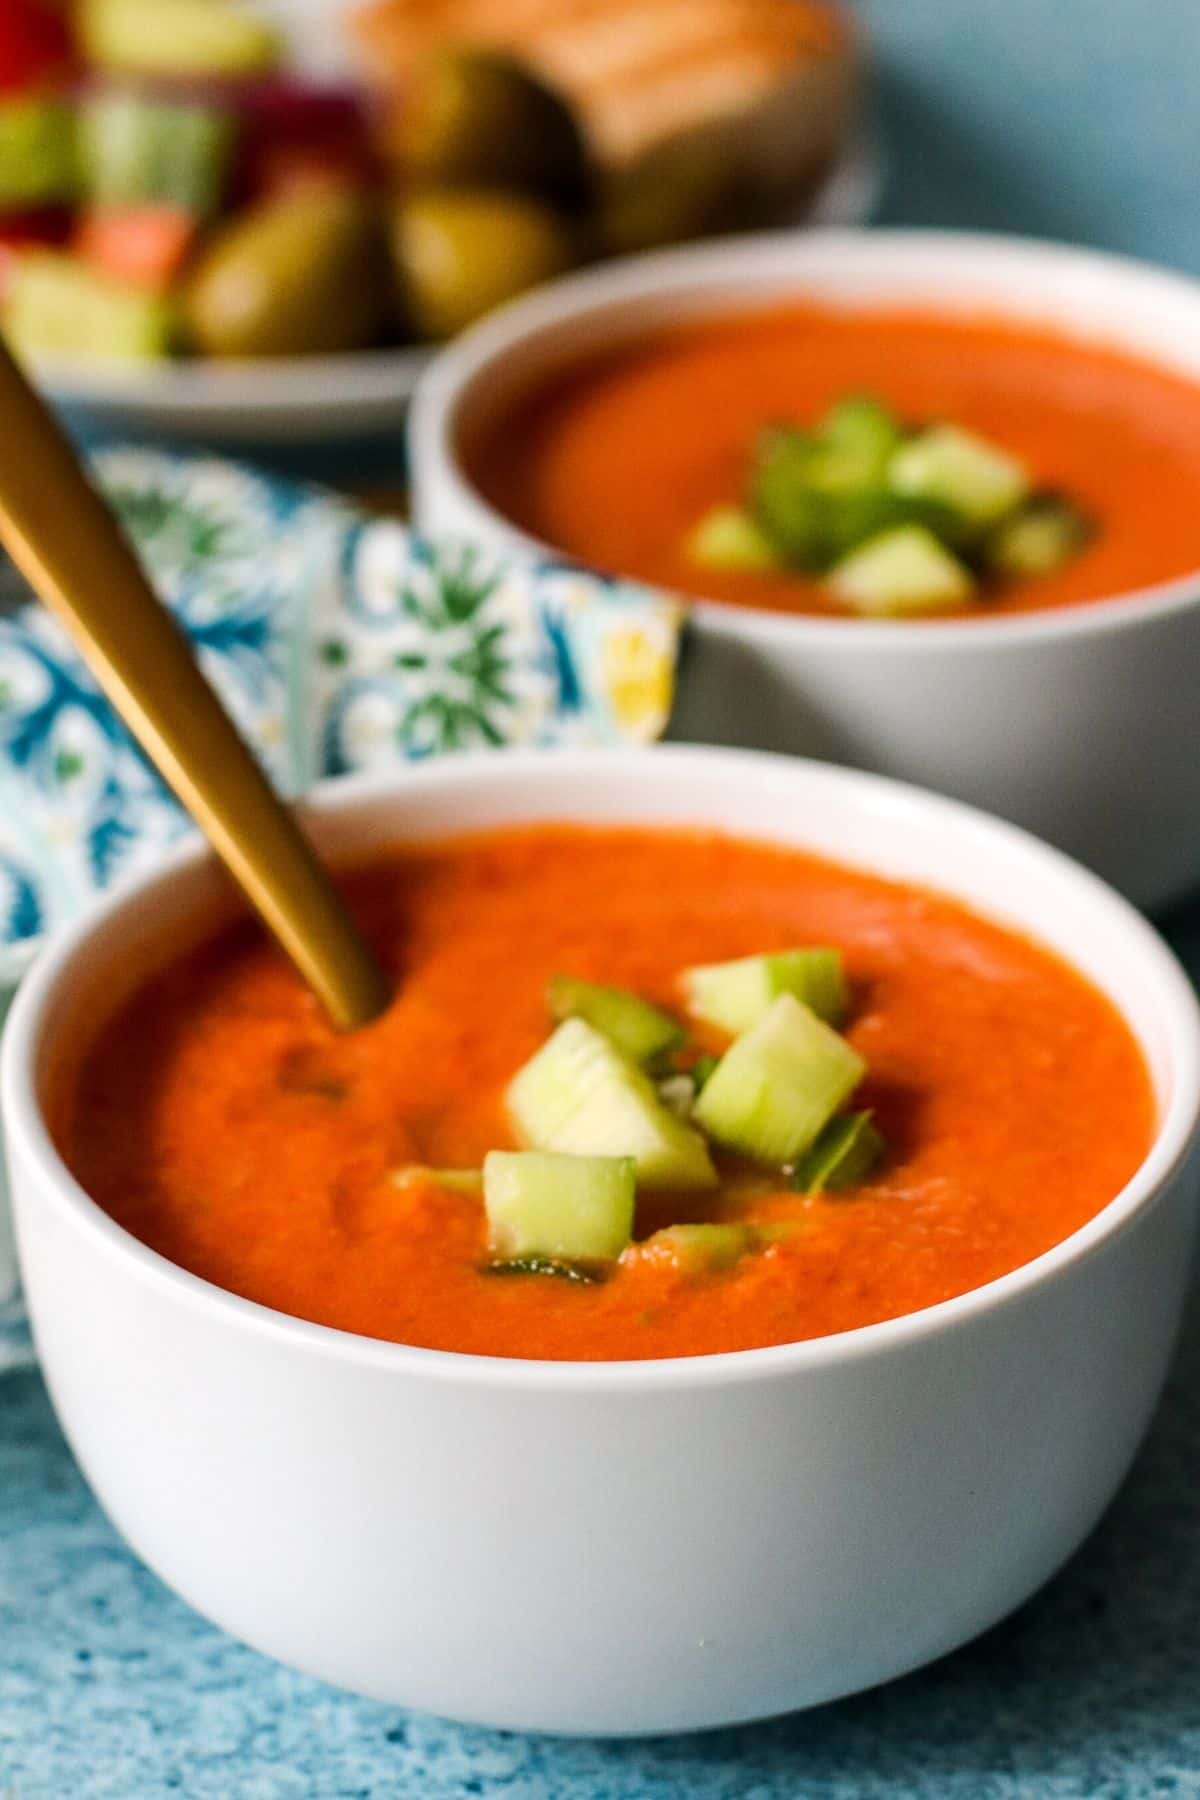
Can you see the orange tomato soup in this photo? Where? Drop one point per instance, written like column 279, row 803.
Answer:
column 221, row 1120
column 616, row 463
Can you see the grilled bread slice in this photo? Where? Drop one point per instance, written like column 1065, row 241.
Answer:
column 771, row 84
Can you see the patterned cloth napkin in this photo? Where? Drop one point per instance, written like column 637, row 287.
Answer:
column 338, row 642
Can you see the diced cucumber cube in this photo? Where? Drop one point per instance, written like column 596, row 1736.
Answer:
column 579, row 1094
column 779, row 1084
column 730, row 538
column 1037, row 539
column 699, row 1249
column 56, row 306
column 778, row 1231
column 844, row 1154
column 816, row 497
column 850, row 452
column 37, row 151
column 862, row 427
column 454, row 1181
column 735, row 995
column 639, row 1030
column 564, row 1208
column 902, row 571
column 138, row 151
column 963, row 471
column 836, row 472
column 854, row 518
column 791, row 514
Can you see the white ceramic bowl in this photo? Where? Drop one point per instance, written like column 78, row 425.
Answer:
column 1078, row 724
column 623, row 1547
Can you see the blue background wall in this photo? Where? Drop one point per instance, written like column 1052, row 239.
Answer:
column 1067, row 118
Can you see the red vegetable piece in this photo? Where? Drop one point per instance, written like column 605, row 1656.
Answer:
column 34, row 225
column 145, row 246
column 296, row 136
column 35, row 45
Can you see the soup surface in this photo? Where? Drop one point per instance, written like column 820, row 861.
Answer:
column 617, row 463
column 222, row 1121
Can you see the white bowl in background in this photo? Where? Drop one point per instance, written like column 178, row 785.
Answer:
column 1077, row 723
column 628, row 1547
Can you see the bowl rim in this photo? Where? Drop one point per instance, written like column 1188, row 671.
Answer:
column 1174, row 1139
column 456, row 369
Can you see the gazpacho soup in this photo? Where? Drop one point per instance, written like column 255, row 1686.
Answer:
column 873, row 462
column 641, row 1093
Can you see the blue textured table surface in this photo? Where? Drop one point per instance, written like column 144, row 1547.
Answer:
column 111, row 1687
column 1077, row 118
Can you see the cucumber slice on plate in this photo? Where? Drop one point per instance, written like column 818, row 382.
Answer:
column 779, row 1084
column 975, row 478
column 735, row 995
column 135, row 150
column 902, row 571
column 574, row 1209
column 580, row 1095
column 37, row 152
column 55, row 306
column 639, row 1030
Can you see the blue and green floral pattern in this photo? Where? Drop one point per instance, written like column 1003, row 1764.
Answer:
column 337, row 642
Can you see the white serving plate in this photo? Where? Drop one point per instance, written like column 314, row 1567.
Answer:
column 615, row 1548
column 328, row 399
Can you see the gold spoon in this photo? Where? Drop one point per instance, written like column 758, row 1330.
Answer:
column 65, row 540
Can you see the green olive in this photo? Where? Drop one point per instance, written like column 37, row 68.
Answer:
column 296, row 277
column 474, row 116
column 686, row 188
column 458, row 254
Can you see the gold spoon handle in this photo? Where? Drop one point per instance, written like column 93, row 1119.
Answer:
column 62, row 536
